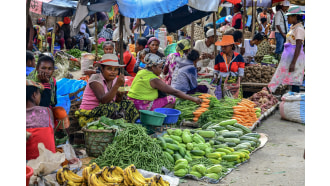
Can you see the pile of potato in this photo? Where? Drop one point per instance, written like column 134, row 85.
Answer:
column 198, row 32
column 258, row 74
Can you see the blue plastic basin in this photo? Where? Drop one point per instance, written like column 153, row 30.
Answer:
column 172, row 115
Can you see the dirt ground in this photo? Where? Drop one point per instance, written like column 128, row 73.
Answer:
column 279, row 162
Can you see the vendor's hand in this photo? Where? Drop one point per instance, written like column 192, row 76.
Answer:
column 120, row 80
column 292, row 67
column 42, row 77
column 242, row 51
column 198, row 101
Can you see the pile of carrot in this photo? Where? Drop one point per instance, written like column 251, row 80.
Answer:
column 204, row 106
column 244, row 113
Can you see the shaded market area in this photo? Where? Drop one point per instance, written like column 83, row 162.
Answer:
column 125, row 92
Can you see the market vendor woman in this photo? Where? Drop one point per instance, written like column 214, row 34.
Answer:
column 228, row 62
column 145, row 86
column 43, row 74
column 100, row 97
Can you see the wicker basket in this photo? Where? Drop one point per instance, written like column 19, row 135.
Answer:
column 75, row 105
column 97, row 140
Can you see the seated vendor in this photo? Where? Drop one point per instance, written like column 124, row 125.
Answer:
column 101, row 93
column 39, row 121
column 43, row 74
column 146, row 84
column 185, row 74
column 228, row 62
column 251, row 47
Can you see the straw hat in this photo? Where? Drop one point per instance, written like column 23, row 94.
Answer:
column 226, row 40
column 295, row 10
column 110, row 59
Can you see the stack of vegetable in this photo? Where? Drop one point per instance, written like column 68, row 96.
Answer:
column 264, row 100
column 134, row 146
column 245, row 113
column 100, row 51
column 105, row 123
column 75, row 52
column 219, row 110
column 258, row 74
column 211, row 151
column 269, row 59
column 204, row 106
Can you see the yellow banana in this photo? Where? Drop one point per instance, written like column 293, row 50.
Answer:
column 86, row 172
column 70, row 183
column 60, row 177
column 71, row 178
column 138, row 179
column 111, row 176
column 126, row 178
column 76, row 178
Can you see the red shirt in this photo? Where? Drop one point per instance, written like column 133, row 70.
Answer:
column 129, row 61
column 235, row 17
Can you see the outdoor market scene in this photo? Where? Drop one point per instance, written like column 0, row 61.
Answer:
column 127, row 92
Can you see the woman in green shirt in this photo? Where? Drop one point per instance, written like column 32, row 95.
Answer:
column 145, row 86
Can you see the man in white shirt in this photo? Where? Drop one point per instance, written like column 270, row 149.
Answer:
column 281, row 24
column 205, row 48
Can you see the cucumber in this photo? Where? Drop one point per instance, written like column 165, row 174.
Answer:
column 182, row 151
column 231, row 144
column 171, row 152
column 232, row 128
column 223, row 150
column 231, row 149
column 176, row 138
column 221, row 146
column 243, row 150
column 172, row 146
column 245, row 129
column 253, row 144
column 231, row 157
column 162, row 142
column 249, row 138
column 169, row 140
column 247, row 144
column 217, row 142
column 241, row 154
column 177, row 156
column 169, row 156
column 240, row 133
column 230, row 135
column 220, row 138
column 255, row 135
column 207, row 125
column 207, row 134
column 197, row 152
column 228, row 122
column 233, row 140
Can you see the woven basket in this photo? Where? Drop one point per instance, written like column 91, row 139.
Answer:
column 97, row 140
column 75, row 105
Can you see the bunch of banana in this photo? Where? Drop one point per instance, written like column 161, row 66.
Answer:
column 97, row 180
column 65, row 176
column 113, row 174
column 91, row 169
column 157, row 180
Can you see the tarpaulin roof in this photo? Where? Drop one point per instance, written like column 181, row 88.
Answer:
column 56, row 8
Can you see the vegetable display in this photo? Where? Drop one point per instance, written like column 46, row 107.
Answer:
column 134, row 146
column 264, row 100
column 209, row 152
column 75, row 52
column 258, row 74
column 269, row 59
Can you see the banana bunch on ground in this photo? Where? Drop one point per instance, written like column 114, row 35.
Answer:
column 107, row 176
column 133, row 177
column 65, row 176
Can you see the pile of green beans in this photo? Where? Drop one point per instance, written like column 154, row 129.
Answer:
column 134, row 146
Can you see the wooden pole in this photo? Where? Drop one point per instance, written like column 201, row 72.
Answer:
column 28, row 2
column 140, row 27
column 46, row 33
column 53, row 37
column 95, row 21
column 121, row 25
column 192, row 31
column 253, row 17
column 215, row 34
column 243, row 20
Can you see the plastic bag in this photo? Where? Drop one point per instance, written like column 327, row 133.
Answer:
column 292, row 107
column 87, row 60
column 46, row 163
column 171, row 179
column 231, row 89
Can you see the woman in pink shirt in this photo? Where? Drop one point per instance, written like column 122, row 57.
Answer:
column 101, row 96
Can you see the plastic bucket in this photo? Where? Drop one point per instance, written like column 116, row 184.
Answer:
column 29, row 173
column 172, row 115
column 152, row 118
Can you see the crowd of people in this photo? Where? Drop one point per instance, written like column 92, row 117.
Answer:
column 158, row 79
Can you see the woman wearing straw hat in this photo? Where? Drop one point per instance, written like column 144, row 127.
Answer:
column 101, row 94
column 291, row 68
column 145, row 86
column 228, row 62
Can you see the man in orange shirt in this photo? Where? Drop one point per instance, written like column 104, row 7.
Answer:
column 264, row 14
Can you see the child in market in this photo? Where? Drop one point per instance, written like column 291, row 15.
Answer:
column 142, row 64
column 30, row 62
column 108, row 47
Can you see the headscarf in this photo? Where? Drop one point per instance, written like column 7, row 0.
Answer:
column 152, row 59
column 183, row 44
column 34, row 77
column 41, row 20
column 60, row 23
column 35, row 84
column 151, row 40
column 66, row 20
